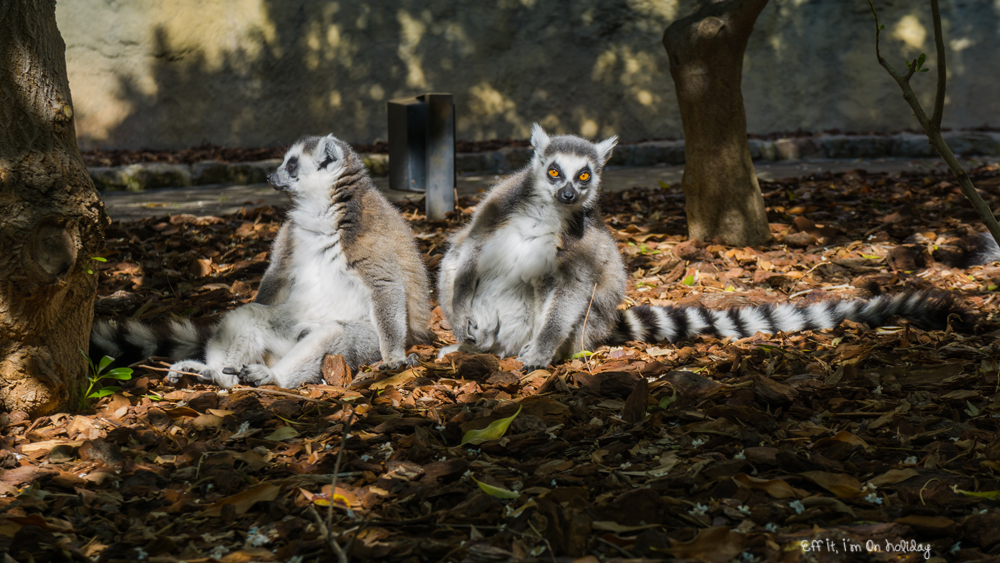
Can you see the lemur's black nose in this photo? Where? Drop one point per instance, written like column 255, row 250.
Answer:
column 567, row 194
column 272, row 180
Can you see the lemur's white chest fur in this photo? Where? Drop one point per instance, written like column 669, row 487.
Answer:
column 514, row 265
column 324, row 289
column 525, row 248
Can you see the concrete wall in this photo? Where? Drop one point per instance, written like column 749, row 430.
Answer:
column 178, row 73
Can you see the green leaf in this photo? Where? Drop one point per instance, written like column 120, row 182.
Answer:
column 99, row 258
column 871, row 257
column 105, row 362
column 104, row 392
column 667, row 401
column 921, row 59
column 991, row 287
column 123, row 374
column 663, row 184
column 498, row 492
column 688, row 280
column 581, row 354
column 972, row 410
column 494, row 431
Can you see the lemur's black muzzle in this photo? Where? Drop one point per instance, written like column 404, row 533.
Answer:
column 272, row 180
column 567, row 194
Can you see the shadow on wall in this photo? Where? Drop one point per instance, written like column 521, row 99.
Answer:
column 811, row 65
column 591, row 67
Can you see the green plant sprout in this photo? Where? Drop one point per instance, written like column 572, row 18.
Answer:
column 97, row 373
column 90, row 271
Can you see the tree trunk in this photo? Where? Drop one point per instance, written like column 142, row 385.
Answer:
column 722, row 197
column 51, row 218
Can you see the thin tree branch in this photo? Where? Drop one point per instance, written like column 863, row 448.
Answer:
column 942, row 72
column 932, row 125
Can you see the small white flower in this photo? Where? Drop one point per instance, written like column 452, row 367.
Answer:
column 218, row 552
column 365, row 457
column 912, row 460
column 245, row 427
column 771, row 527
column 877, row 390
column 468, row 473
column 626, row 465
column 744, row 509
column 873, row 498
column 740, row 455
column 698, row 510
column 797, row 506
column 748, row 557
column 955, row 548
column 256, row 539
column 140, row 554
column 698, row 442
column 553, row 483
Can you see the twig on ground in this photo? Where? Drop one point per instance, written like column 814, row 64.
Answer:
column 583, row 333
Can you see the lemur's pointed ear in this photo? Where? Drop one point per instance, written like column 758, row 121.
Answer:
column 328, row 152
column 605, row 147
column 539, row 138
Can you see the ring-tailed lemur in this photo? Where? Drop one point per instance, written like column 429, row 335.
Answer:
column 345, row 278
column 537, row 274
column 983, row 249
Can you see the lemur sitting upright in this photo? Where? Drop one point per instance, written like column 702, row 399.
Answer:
column 345, row 278
column 537, row 274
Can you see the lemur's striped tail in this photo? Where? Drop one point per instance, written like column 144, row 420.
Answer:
column 132, row 341
column 984, row 249
column 927, row 309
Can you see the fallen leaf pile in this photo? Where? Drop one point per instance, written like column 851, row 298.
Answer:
column 860, row 444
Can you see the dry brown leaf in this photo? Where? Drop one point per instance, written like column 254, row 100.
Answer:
column 774, row 487
column 242, row 502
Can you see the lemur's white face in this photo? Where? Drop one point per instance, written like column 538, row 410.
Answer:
column 569, row 168
column 568, row 178
column 310, row 167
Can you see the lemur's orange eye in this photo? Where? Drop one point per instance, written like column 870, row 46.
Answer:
column 584, row 176
column 553, row 172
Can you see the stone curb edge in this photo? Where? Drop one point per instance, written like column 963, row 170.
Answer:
column 149, row 176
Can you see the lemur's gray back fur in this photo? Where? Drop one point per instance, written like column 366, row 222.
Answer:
column 536, row 273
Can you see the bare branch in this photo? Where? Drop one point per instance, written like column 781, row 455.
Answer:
column 942, row 72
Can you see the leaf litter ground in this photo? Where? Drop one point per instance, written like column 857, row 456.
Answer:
column 854, row 444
